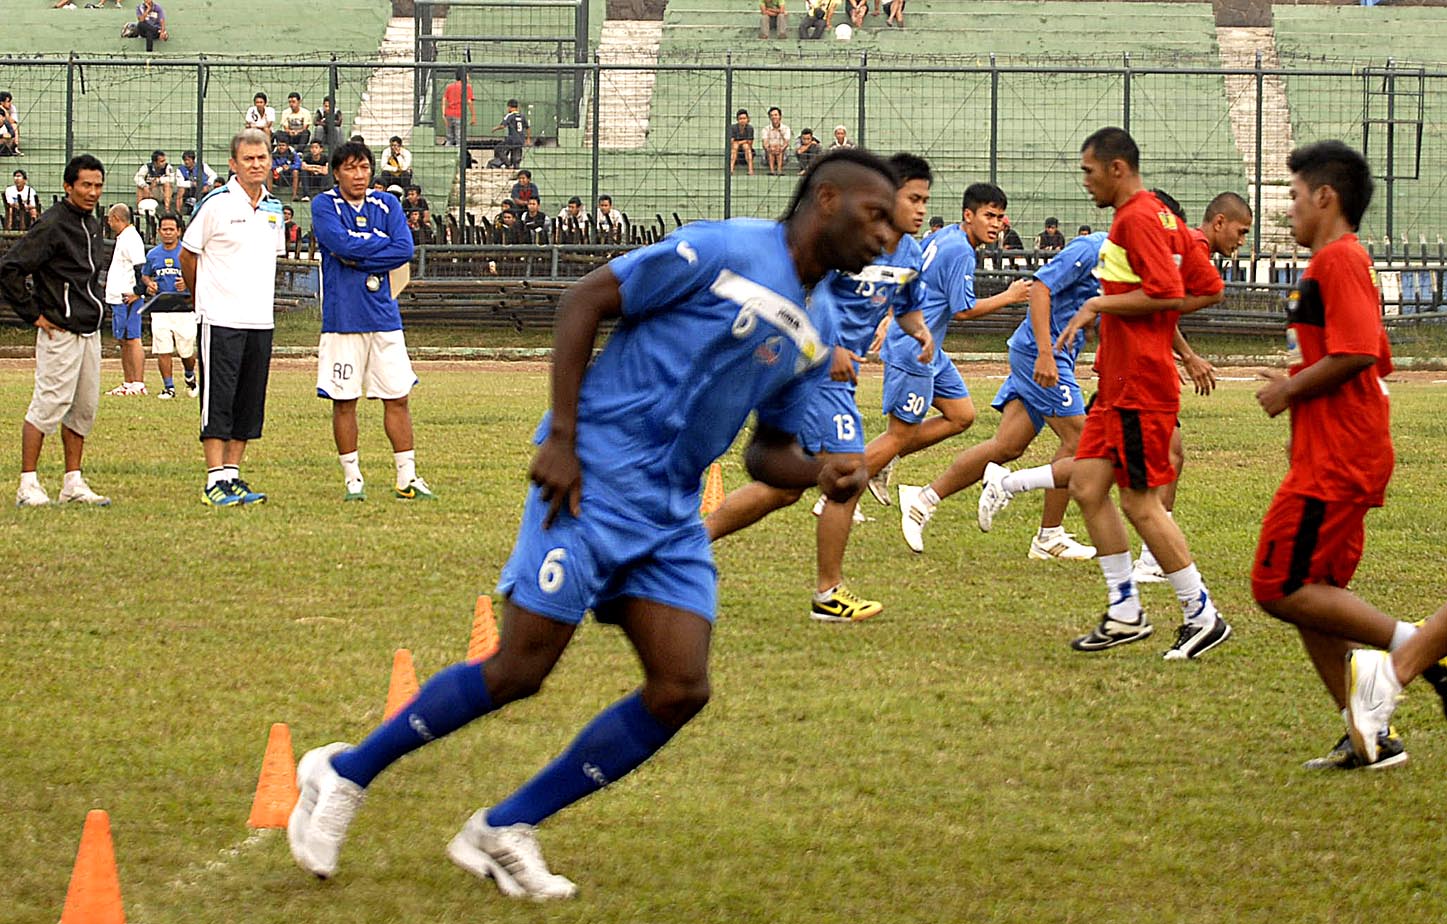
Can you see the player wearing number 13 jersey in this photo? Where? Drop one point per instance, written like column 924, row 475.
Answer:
column 833, row 427
column 713, row 325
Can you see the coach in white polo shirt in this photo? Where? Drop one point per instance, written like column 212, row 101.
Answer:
column 228, row 259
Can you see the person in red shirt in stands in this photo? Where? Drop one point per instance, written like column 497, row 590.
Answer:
column 1147, row 267
column 1341, row 441
column 452, row 109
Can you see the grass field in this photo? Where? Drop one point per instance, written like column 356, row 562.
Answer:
column 951, row 760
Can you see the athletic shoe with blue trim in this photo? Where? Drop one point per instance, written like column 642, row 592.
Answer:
column 248, row 496
column 221, row 494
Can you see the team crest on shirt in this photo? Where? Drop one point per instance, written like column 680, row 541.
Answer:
column 768, row 352
column 1168, row 219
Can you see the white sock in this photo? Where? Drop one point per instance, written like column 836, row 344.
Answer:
column 1120, row 592
column 406, row 467
column 215, row 476
column 73, row 479
column 1051, row 532
column 351, row 468
column 929, row 498
column 1189, row 588
column 1400, row 634
column 230, row 472
column 29, row 480
column 1039, row 478
column 824, row 596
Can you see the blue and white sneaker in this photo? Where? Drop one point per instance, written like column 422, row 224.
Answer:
column 1202, row 630
column 220, row 494
column 247, row 495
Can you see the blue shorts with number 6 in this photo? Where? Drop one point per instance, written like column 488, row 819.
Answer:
column 1040, row 402
column 909, row 392
column 833, row 423
column 598, row 559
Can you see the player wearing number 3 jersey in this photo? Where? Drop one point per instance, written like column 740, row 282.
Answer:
column 713, row 326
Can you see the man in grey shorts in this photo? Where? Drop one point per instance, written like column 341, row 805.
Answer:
column 60, row 254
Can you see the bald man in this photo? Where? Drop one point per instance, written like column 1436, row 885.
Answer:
column 123, row 297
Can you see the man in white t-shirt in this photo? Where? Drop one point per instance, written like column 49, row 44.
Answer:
column 261, row 117
column 228, row 259
column 22, row 203
column 127, row 260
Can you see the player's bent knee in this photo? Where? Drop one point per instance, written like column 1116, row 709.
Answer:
column 674, row 701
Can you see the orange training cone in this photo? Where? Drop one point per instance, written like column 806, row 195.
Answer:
column 94, row 896
column 713, row 491
column 276, row 792
column 484, row 639
column 403, row 685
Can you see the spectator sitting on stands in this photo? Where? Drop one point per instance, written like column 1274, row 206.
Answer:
column 316, row 170
column 1009, row 237
column 9, row 127
column 156, row 180
column 151, row 21
column 286, row 166
column 294, row 125
column 22, row 203
column 507, row 230
column 841, row 138
column 858, row 9
column 452, row 109
column 397, row 165
column 293, row 231
column 1050, row 238
column 187, row 185
column 415, row 202
column 573, row 219
column 773, row 18
column 534, row 223
column 519, row 134
column 506, row 207
column 776, row 140
column 816, row 19
column 807, row 150
column 421, row 228
column 894, row 13
column 523, row 190
column 261, row 116
column 1082, row 231
column 741, row 142
column 327, row 123
column 608, row 222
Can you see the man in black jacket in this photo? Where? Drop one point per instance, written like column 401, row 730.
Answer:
column 61, row 255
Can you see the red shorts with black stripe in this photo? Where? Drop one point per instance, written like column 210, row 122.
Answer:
column 1306, row 540
column 1137, row 443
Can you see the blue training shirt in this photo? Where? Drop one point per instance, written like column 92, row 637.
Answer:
column 716, row 325
column 890, row 283
column 1070, row 277
column 164, row 266
column 374, row 240
column 947, row 279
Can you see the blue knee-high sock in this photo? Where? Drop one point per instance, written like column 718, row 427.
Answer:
column 617, row 740
column 448, row 700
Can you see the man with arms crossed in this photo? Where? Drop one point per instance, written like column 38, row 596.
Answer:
column 173, row 315
column 363, row 237
column 59, row 254
column 712, row 326
column 228, row 259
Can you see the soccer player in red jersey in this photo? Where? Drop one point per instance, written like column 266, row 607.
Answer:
column 1127, row 433
column 1341, row 440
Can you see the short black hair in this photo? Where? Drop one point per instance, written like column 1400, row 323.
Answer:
column 5, row 96
column 20, row 173
column 574, row 200
column 1343, row 168
column 157, row 154
column 413, row 187
column 1083, row 229
column 605, row 198
column 258, row 95
column 287, row 208
column 910, row 167
column 396, row 138
column 328, row 99
column 351, row 150
column 774, row 109
column 978, row 194
column 1169, row 201
column 525, row 173
column 1052, row 222
column 294, row 95
column 186, row 154
column 857, row 156
column 1108, row 144
column 512, row 103
column 936, row 222
column 807, row 131
column 82, row 162
column 741, row 112
column 1229, row 204
column 171, row 216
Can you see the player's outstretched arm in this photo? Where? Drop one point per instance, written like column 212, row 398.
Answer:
column 1016, row 292
column 582, row 308
column 776, row 459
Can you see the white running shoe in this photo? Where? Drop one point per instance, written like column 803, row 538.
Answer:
column 192, row 389
column 31, row 496
column 880, row 483
column 1372, row 694
column 123, row 390
column 137, row 389
column 993, row 496
column 1061, row 546
column 914, row 513
column 324, row 810
column 818, row 511
column 510, row 857
column 1147, row 570
column 81, row 493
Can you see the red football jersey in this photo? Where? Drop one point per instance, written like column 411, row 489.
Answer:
column 1134, row 360
column 1341, row 441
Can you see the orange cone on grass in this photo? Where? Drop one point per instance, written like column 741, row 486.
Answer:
column 484, row 639
column 94, row 896
column 276, row 791
column 403, row 685
column 713, row 490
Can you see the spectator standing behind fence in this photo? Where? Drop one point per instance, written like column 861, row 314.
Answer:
column 1050, row 238
column 22, row 203
column 294, row 125
column 363, row 237
column 741, row 142
column 228, row 259
column 64, row 304
column 773, row 17
column 316, row 171
column 452, row 108
column 777, row 137
column 261, row 116
column 397, row 165
column 123, row 288
column 519, row 134
column 156, row 180
column 608, row 221
column 9, row 127
column 173, row 318
column 327, row 126
column 841, row 138
column 151, row 21
column 807, row 150
column 192, row 181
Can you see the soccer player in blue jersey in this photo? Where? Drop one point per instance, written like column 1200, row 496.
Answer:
column 834, row 428
column 1041, row 389
column 713, row 325
column 911, row 387
column 173, row 318
column 363, row 237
